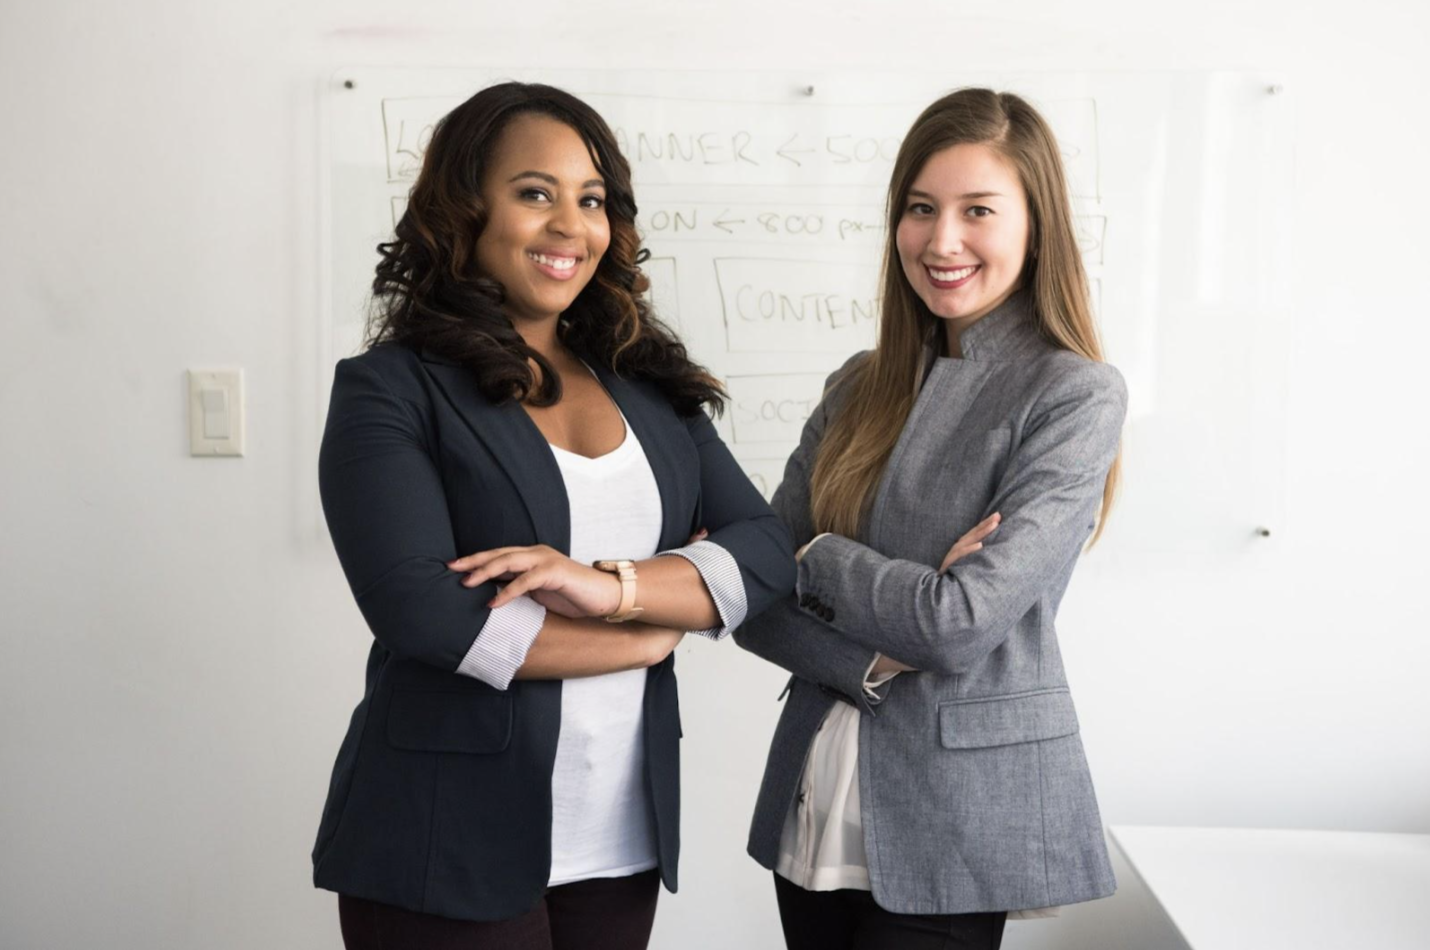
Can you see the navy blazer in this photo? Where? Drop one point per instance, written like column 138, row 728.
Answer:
column 440, row 799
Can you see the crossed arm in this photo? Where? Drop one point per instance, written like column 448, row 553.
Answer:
column 700, row 587
column 946, row 620
column 395, row 547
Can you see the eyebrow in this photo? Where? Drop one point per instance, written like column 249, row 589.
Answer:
column 972, row 194
column 551, row 179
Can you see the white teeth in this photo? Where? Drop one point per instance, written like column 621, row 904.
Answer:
column 947, row 275
column 560, row 263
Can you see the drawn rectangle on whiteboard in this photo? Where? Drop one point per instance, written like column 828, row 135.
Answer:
column 786, row 306
column 772, row 407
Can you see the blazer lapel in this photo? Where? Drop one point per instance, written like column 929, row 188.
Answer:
column 517, row 445
column 653, row 428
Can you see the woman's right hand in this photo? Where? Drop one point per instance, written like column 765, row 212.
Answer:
column 971, row 541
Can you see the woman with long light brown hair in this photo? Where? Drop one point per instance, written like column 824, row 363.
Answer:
column 926, row 778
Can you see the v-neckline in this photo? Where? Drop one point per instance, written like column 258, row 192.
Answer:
column 625, row 423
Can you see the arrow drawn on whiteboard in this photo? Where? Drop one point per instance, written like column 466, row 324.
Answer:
column 784, row 151
column 721, row 222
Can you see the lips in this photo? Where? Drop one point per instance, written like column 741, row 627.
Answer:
column 950, row 278
column 556, row 265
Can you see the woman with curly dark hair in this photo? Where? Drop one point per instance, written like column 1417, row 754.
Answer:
column 503, row 472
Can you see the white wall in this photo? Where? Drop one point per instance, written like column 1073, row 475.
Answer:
column 180, row 650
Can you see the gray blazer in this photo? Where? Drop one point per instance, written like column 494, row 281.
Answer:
column 974, row 789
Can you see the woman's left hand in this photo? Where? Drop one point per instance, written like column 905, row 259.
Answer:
column 553, row 580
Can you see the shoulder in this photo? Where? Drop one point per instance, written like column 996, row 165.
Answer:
column 391, row 367
column 1073, row 391
column 848, row 370
column 836, row 387
column 1062, row 374
column 386, row 360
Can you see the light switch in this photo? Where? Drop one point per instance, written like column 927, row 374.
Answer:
column 215, row 412
column 215, row 406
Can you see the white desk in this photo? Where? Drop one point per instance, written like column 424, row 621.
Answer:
column 1235, row 888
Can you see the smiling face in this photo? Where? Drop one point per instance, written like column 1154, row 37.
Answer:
column 546, row 226
column 963, row 234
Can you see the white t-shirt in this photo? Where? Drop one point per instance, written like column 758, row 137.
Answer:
column 602, row 823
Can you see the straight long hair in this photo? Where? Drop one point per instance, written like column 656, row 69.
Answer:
column 882, row 389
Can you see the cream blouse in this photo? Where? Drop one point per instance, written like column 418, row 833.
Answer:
column 822, row 844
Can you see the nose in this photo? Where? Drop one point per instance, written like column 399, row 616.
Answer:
column 947, row 237
column 566, row 219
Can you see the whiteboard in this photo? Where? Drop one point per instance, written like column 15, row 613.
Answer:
column 761, row 201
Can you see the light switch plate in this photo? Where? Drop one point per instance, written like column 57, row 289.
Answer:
column 215, row 412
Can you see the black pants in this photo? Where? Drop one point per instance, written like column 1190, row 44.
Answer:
column 850, row 920
column 613, row 913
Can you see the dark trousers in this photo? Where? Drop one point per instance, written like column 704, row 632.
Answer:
column 850, row 920
column 613, row 913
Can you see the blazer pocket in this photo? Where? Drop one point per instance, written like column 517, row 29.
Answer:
column 1006, row 720
column 475, row 722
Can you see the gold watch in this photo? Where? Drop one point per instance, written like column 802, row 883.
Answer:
column 626, row 571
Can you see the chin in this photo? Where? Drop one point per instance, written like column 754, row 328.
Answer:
column 947, row 312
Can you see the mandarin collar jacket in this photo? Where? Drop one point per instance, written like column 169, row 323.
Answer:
column 974, row 790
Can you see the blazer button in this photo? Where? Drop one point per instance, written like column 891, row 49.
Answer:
column 804, row 600
column 826, row 613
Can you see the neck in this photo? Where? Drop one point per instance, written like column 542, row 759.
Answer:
column 539, row 333
column 952, row 330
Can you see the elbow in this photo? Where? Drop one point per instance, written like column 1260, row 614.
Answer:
column 418, row 610
column 954, row 632
column 751, row 635
column 954, row 651
column 744, row 635
column 942, row 663
column 784, row 572
column 765, row 554
column 934, row 654
column 785, row 576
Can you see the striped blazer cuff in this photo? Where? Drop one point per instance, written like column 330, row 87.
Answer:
column 501, row 647
column 722, row 578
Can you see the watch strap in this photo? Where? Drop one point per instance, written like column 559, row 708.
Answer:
column 625, row 571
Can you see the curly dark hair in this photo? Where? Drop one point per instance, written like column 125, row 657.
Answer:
column 430, row 294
